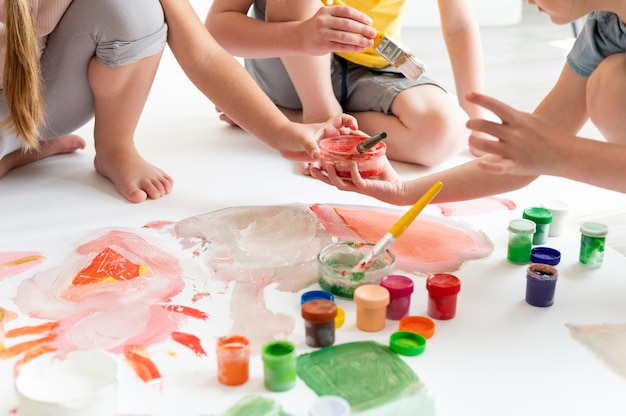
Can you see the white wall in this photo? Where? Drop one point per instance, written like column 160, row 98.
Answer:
column 425, row 13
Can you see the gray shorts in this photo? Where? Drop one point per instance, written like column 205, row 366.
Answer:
column 116, row 32
column 603, row 34
column 356, row 87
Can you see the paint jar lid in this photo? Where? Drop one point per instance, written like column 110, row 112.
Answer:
column 418, row 324
column 522, row 226
column 330, row 406
column 319, row 310
column 538, row 215
column 40, row 393
column 340, row 318
column 398, row 286
column 407, row 343
column 316, row 294
column 371, row 296
column 594, row 229
column 442, row 284
column 545, row 255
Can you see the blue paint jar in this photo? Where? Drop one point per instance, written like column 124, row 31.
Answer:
column 541, row 284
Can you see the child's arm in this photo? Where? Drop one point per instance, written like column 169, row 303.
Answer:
column 461, row 183
column 227, row 84
column 546, row 142
column 300, row 32
column 462, row 37
column 321, row 31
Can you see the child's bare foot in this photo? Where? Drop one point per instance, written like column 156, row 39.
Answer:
column 62, row 144
column 133, row 177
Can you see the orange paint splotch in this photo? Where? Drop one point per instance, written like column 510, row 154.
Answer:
column 425, row 246
column 108, row 266
column 28, row 347
column 143, row 366
column 30, row 330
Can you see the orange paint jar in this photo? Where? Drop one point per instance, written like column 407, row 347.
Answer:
column 371, row 307
column 233, row 359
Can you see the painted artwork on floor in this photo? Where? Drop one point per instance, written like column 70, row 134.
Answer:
column 127, row 290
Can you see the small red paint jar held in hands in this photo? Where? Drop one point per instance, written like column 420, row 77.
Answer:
column 442, row 295
column 340, row 152
column 400, row 290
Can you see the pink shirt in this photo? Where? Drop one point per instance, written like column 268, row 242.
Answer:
column 47, row 14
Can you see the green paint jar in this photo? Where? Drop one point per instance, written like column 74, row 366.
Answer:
column 542, row 217
column 520, row 240
column 279, row 365
column 592, row 243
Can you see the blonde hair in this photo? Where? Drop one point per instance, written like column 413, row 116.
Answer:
column 23, row 86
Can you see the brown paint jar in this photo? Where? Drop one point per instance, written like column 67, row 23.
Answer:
column 319, row 322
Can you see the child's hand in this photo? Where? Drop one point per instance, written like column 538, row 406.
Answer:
column 303, row 146
column 388, row 187
column 525, row 143
column 336, row 29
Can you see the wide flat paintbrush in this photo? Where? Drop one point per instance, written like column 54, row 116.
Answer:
column 392, row 51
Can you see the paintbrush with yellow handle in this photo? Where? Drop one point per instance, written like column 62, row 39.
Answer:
column 392, row 51
column 397, row 229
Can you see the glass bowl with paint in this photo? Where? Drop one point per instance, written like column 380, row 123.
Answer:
column 340, row 151
column 336, row 261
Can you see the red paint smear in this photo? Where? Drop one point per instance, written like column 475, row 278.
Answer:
column 200, row 295
column 476, row 207
column 29, row 330
column 157, row 225
column 107, row 264
column 190, row 341
column 142, row 365
column 186, row 310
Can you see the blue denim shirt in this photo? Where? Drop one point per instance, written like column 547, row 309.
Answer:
column 603, row 34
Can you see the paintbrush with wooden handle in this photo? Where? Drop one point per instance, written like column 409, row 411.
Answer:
column 392, row 51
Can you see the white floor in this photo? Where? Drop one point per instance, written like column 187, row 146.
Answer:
column 50, row 205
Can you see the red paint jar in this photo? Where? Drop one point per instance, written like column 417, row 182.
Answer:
column 319, row 322
column 400, row 290
column 340, row 151
column 442, row 295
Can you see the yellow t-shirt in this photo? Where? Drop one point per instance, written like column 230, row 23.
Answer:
column 387, row 17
